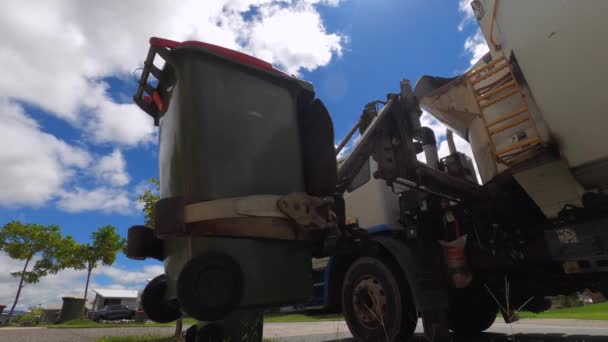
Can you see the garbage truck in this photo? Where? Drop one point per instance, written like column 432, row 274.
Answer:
column 534, row 225
column 256, row 212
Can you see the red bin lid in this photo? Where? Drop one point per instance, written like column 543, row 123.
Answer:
column 222, row 51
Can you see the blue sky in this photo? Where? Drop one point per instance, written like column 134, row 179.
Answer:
column 91, row 151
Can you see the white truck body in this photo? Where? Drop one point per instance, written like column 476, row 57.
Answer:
column 555, row 50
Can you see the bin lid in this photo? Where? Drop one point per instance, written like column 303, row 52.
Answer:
column 230, row 55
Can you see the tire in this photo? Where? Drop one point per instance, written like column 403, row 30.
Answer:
column 209, row 333
column 191, row 334
column 153, row 301
column 472, row 310
column 377, row 302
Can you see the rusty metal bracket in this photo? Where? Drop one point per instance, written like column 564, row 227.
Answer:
column 307, row 211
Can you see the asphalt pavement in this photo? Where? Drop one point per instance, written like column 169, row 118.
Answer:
column 523, row 331
column 528, row 330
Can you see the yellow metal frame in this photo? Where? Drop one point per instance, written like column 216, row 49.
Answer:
column 495, row 94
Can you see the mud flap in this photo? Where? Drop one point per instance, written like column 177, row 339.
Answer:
column 426, row 283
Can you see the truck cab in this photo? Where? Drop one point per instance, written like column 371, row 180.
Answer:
column 369, row 203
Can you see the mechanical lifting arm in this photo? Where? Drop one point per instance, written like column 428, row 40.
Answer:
column 393, row 136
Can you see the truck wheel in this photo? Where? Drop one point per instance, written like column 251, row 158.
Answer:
column 377, row 304
column 472, row 310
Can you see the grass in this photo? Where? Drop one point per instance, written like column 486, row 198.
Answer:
column 272, row 318
column 85, row 323
column 147, row 339
column 587, row 312
column 296, row 317
column 137, row 339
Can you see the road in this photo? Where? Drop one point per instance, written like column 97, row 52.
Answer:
column 523, row 331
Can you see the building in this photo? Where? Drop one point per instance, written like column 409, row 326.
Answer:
column 50, row 314
column 105, row 297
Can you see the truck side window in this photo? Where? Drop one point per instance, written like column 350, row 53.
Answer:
column 361, row 178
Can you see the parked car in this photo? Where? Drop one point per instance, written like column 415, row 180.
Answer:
column 114, row 312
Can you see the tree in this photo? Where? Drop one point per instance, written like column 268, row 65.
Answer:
column 103, row 248
column 149, row 199
column 32, row 316
column 32, row 242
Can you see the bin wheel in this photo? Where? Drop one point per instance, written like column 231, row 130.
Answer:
column 209, row 333
column 156, row 307
column 472, row 310
column 377, row 302
column 210, row 286
column 191, row 334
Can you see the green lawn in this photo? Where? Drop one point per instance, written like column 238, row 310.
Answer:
column 296, row 317
column 588, row 312
column 85, row 323
column 146, row 339
column 273, row 318
column 137, row 339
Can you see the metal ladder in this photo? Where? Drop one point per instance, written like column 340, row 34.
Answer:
column 492, row 84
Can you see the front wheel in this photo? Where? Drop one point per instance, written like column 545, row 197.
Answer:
column 377, row 302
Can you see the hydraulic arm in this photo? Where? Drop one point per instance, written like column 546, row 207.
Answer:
column 393, row 136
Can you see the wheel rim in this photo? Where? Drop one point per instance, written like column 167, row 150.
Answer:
column 369, row 302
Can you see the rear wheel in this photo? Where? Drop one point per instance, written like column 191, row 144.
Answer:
column 377, row 303
column 472, row 310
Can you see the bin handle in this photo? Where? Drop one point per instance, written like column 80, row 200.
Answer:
column 146, row 97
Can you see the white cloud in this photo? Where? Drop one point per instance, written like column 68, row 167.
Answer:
column 48, row 291
column 38, row 168
column 332, row 3
column 111, row 169
column 440, row 134
column 427, row 120
column 476, row 47
column 59, row 51
column 349, row 145
column 123, row 276
column 104, row 199
column 124, row 124
column 311, row 48
column 464, row 7
column 68, row 282
column 35, row 164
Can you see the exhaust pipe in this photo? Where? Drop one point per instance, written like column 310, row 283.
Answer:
column 449, row 135
column 429, row 146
